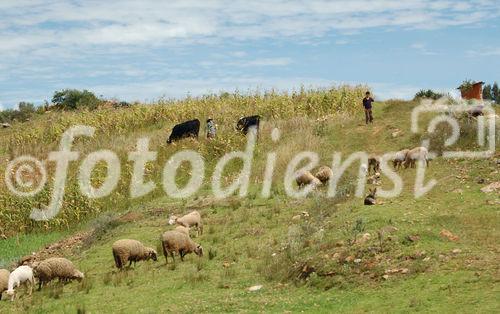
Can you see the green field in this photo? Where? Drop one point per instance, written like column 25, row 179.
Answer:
column 320, row 262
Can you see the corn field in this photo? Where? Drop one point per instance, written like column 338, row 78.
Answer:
column 42, row 135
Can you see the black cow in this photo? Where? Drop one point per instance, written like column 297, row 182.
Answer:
column 185, row 129
column 476, row 111
column 244, row 124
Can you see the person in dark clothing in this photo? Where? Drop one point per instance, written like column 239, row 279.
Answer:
column 367, row 103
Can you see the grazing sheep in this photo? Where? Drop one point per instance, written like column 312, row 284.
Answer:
column 324, row 174
column 174, row 241
column 182, row 229
column 370, row 198
column 373, row 164
column 21, row 275
column 56, row 267
column 132, row 251
column 4, row 281
column 399, row 158
column 306, row 178
column 418, row 153
column 188, row 221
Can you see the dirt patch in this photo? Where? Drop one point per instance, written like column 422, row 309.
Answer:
column 58, row 249
column 130, row 217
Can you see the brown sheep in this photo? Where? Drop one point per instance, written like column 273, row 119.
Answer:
column 193, row 219
column 174, row 241
column 4, row 281
column 132, row 251
column 56, row 267
column 418, row 153
column 324, row 174
column 399, row 158
column 306, row 178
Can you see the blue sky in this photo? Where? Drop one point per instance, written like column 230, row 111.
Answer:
column 143, row 50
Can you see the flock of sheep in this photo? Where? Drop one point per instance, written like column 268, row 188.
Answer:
column 178, row 241
column 403, row 158
column 125, row 251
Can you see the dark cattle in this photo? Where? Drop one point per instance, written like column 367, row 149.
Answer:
column 185, row 129
column 247, row 122
column 476, row 111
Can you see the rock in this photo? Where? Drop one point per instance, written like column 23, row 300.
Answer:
column 255, row 288
column 5, row 125
column 364, row 238
column 448, row 235
column 493, row 202
column 456, row 251
column 385, row 277
column 357, row 260
column 493, row 187
column 296, row 217
column 428, row 258
column 336, row 256
column 480, row 180
column 389, row 229
column 396, row 133
column 405, row 270
column 349, row 259
column 413, row 238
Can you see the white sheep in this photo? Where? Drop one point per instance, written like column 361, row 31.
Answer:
column 21, row 275
column 56, row 268
column 324, row 174
column 4, row 281
column 177, row 242
column 193, row 219
column 306, row 178
column 399, row 158
column 417, row 153
column 127, row 250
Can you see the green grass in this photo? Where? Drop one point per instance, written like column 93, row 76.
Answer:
column 255, row 241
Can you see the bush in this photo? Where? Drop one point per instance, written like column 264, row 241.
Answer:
column 71, row 99
column 430, row 94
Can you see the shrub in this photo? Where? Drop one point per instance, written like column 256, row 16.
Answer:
column 430, row 94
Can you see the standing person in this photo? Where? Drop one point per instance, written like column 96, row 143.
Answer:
column 367, row 103
column 211, row 128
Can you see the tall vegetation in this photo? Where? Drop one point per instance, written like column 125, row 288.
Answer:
column 118, row 130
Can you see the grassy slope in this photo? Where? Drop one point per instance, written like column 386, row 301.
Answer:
column 244, row 233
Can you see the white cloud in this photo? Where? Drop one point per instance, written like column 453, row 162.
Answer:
column 35, row 24
column 485, row 52
column 422, row 49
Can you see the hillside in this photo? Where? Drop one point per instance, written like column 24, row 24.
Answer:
column 438, row 253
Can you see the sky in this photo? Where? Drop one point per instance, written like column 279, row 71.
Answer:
column 145, row 50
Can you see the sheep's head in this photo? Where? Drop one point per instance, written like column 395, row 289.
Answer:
column 78, row 275
column 152, row 254
column 10, row 293
column 172, row 220
column 198, row 250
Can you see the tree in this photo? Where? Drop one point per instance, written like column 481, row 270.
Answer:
column 25, row 111
column 487, row 94
column 71, row 99
column 495, row 93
